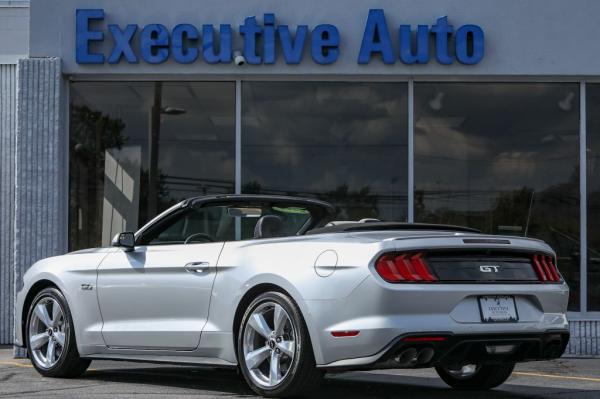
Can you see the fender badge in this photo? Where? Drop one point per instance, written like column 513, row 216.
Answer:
column 87, row 287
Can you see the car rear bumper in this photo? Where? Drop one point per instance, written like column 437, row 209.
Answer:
column 382, row 312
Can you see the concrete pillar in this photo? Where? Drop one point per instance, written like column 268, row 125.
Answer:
column 40, row 223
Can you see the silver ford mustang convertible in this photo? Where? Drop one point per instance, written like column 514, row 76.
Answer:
column 274, row 286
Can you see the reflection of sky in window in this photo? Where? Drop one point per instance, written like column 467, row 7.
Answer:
column 482, row 139
column 313, row 137
column 593, row 138
column 593, row 185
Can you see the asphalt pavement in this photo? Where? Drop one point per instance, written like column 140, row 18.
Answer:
column 563, row 378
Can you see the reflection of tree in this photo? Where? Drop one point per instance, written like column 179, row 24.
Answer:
column 512, row 208
column 551, row 214
column 419, row 204
column 252, row 187
column 352, row 205
column 91, row 134
column 164, row 198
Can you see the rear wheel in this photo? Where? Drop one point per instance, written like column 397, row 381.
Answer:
column 50, row 337
column 274, row 349
column 475, row 377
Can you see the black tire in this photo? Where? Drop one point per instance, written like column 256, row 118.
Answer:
column 302, row 376
column 69, row 363
column 486, row 377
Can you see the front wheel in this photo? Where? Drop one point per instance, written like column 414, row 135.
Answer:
column 476, row 377
column 274, row 349
column 51, row 338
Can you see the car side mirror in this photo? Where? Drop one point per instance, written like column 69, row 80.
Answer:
column 125, row 240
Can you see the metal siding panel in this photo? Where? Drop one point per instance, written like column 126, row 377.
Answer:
column 584, row 338
column 7, row 160
column 40, row 225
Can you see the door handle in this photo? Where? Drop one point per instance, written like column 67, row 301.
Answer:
column 196, row 267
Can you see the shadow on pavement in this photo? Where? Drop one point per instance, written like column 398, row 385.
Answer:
column 355, row 385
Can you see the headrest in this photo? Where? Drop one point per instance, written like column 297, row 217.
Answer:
column 268, row 226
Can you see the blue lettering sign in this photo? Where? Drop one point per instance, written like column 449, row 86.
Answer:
column 250, row 30
column 208, row 39
column 376, row 39
column 421, row 56
column 325, row 43
column 269, row 54
column 263, row 42
column 182, row 36
column 154, row 43
column 292, row 48
column 442, row 32
column 122, row 44
column 462, row 39
column 84, row 36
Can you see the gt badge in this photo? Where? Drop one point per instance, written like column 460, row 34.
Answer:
column 489, row 269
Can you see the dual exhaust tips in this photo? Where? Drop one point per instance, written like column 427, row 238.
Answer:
column 412, row 357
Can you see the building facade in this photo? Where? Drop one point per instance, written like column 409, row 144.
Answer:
column 475, row 113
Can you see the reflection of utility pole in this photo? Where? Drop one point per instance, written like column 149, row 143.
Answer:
column 153, row 137
column 529, row 213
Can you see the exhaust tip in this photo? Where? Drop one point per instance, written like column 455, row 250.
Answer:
column 425, row 355
column 408, row 357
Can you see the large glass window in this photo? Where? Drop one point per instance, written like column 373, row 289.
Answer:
column 504, row 158
column 138, row 148
column 593, row 196
column 342, row 142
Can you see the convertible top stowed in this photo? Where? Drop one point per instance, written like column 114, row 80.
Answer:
column 381, row 226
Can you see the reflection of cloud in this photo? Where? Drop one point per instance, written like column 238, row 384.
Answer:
column 515, row 165
column 435, row 142
column 315, row 137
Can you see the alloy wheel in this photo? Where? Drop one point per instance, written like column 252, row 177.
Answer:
column 269, row 345
column 47, row 332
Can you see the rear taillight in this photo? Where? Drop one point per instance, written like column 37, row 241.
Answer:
column 546, row 269
column 404, row 268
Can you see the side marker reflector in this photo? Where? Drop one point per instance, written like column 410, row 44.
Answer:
column 348, row 333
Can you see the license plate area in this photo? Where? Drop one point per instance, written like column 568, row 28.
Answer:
column 498, row 309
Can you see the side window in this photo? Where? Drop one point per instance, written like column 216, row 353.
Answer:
column 191, row 225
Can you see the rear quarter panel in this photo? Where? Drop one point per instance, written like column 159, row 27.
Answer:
column 289, row 264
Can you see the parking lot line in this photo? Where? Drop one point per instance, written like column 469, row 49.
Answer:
column 16, row 364
column 564, row 377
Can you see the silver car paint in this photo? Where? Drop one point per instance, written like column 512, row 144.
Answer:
column 157, row 296
column 351, row 296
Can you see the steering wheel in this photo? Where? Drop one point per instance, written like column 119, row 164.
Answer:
column 199, row 235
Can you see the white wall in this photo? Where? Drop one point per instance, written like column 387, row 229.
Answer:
column 522, row 38
column 14, row 31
